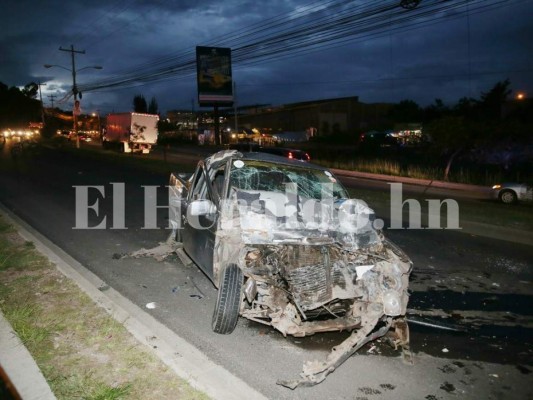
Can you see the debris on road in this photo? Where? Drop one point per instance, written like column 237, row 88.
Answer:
column 159, row 252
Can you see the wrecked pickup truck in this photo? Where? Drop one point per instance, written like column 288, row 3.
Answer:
column 286, row 247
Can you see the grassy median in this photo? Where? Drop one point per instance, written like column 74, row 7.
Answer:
column 82, row 352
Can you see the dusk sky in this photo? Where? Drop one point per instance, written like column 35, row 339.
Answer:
column 377, row 50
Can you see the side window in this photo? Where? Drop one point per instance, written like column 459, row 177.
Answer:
column 199, row 190
column 218, row 183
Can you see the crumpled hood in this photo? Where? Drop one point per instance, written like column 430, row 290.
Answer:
column 270, row 217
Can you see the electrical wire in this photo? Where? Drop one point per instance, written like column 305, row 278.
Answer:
column 320, row 26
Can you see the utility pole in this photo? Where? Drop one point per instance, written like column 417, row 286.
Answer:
column 52, row 97
column 218, row 139
column 72, row 51
column 235, row 107
column 41, row 98
column 192, row 117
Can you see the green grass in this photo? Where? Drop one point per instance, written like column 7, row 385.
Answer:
column 17, row 257
column 394, row 168
column 105, row 392
column 82, row 351
column 76, row 386
column 21, row 317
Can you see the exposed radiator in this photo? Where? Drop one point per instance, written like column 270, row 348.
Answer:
column 311, row 272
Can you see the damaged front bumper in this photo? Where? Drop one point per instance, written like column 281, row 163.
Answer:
column 303, row 277
column 302, row 290
column 315, row 372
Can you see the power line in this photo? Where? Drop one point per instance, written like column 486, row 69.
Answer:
column 52, row 97
column 316, row 28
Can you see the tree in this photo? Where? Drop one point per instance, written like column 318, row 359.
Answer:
column 435, row 110
column 30, row 90
column 152, row 107
column 17, row 109
column 464, row 107
column 405, row 111
column 139, row 104
column 491, row 102
column 450, row 135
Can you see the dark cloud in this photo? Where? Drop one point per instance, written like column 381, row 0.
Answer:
column 448, row 60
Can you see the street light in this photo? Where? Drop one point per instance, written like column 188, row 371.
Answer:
column 74, row 89
column 97, row 114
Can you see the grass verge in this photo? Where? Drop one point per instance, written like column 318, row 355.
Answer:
column 82, row 352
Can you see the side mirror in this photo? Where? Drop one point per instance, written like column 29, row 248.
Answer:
column 201, row 208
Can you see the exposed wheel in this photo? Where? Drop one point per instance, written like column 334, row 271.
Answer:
column 508, row 196
column 226, row 311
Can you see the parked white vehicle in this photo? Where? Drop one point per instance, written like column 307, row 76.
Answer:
column 510, row 193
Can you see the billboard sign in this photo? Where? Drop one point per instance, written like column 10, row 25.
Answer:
column 213, row 73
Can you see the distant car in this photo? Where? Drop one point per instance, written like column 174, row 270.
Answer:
column 85, row 138
column 293, row 154
column 375, row 139
column 65, row 133
column 510, row 193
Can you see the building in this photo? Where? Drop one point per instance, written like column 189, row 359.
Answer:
column 321, row 117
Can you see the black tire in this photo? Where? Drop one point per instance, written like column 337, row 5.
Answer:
column 226, row 311
column 508, row 196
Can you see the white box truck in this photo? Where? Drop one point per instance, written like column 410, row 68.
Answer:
column 131, row 132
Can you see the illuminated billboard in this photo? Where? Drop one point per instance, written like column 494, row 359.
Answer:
column 213, row 73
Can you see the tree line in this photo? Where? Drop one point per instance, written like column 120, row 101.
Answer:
column 141, row 106
column 18, row 107
column 471, row 124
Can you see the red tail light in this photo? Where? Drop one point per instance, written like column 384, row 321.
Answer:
column 308, row 157
column 290, row 154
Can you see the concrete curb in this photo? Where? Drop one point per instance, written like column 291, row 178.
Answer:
column 184, row 359
column 20, row 367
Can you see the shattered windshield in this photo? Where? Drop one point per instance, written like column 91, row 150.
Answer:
column 265, row 176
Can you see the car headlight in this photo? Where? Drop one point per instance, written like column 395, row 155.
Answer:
column 392, row 304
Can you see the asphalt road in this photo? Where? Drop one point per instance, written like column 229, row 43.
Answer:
column 480, row 288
